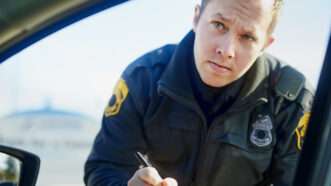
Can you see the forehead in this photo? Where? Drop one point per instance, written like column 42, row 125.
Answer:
column 252, row 14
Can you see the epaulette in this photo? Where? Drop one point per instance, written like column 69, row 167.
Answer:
column 288, row 85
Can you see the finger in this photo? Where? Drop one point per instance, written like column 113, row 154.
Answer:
column 135, row 181
column 149, row 175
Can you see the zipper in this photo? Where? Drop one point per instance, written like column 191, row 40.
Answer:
column 185, row 101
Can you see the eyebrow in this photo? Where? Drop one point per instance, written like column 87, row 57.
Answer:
column 221, row 16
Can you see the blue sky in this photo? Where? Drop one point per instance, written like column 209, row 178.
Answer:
column 77, row 67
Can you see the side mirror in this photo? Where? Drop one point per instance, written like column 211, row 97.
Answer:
column 18, row 167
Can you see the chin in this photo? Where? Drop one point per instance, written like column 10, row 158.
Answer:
column 216, row 84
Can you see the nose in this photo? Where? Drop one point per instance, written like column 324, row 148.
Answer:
column 226, row 47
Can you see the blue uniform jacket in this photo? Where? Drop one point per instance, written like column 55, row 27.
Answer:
column 154, row 111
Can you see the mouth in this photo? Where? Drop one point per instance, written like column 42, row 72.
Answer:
column 219, row 69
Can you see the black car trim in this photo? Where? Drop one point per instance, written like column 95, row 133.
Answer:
column 78, row 14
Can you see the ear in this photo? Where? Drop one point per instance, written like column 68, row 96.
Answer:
column 269, row 40
column 196, row 17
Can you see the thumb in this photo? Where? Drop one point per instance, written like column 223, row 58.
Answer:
column 169, row 182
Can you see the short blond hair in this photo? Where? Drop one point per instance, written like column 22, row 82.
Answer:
column 275, row 15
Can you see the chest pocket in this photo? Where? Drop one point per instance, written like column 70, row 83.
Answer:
column 242, row 144
column 250, row 131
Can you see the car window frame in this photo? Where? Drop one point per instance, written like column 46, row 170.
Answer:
column 315, row 159
column 77, row 14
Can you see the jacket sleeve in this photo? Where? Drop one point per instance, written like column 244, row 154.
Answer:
column 292, row 121
column 112, row 161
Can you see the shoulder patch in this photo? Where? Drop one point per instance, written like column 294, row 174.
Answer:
column 120, row 93
column 301, row 129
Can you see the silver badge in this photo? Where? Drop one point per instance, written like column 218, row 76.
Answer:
column 261, row 135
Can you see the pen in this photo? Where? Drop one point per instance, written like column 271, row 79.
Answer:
column 142, row 160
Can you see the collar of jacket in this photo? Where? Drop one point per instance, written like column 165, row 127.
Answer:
column 175, row 80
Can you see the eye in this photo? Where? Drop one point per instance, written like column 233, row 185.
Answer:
column 248, row 37
column 218, row 25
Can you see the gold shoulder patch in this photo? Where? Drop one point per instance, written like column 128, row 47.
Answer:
column 301, row 129
column 120, row 93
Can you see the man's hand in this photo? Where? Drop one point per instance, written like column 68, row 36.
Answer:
column 149, row 176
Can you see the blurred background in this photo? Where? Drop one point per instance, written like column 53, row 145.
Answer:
column 53, row 93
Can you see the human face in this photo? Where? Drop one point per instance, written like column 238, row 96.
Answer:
column 230, row 35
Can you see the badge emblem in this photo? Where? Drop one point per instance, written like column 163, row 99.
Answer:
column 261, row 135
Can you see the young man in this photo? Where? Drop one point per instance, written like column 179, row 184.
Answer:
column 213, row 110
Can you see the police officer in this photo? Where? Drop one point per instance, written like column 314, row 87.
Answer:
column 214, row 110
